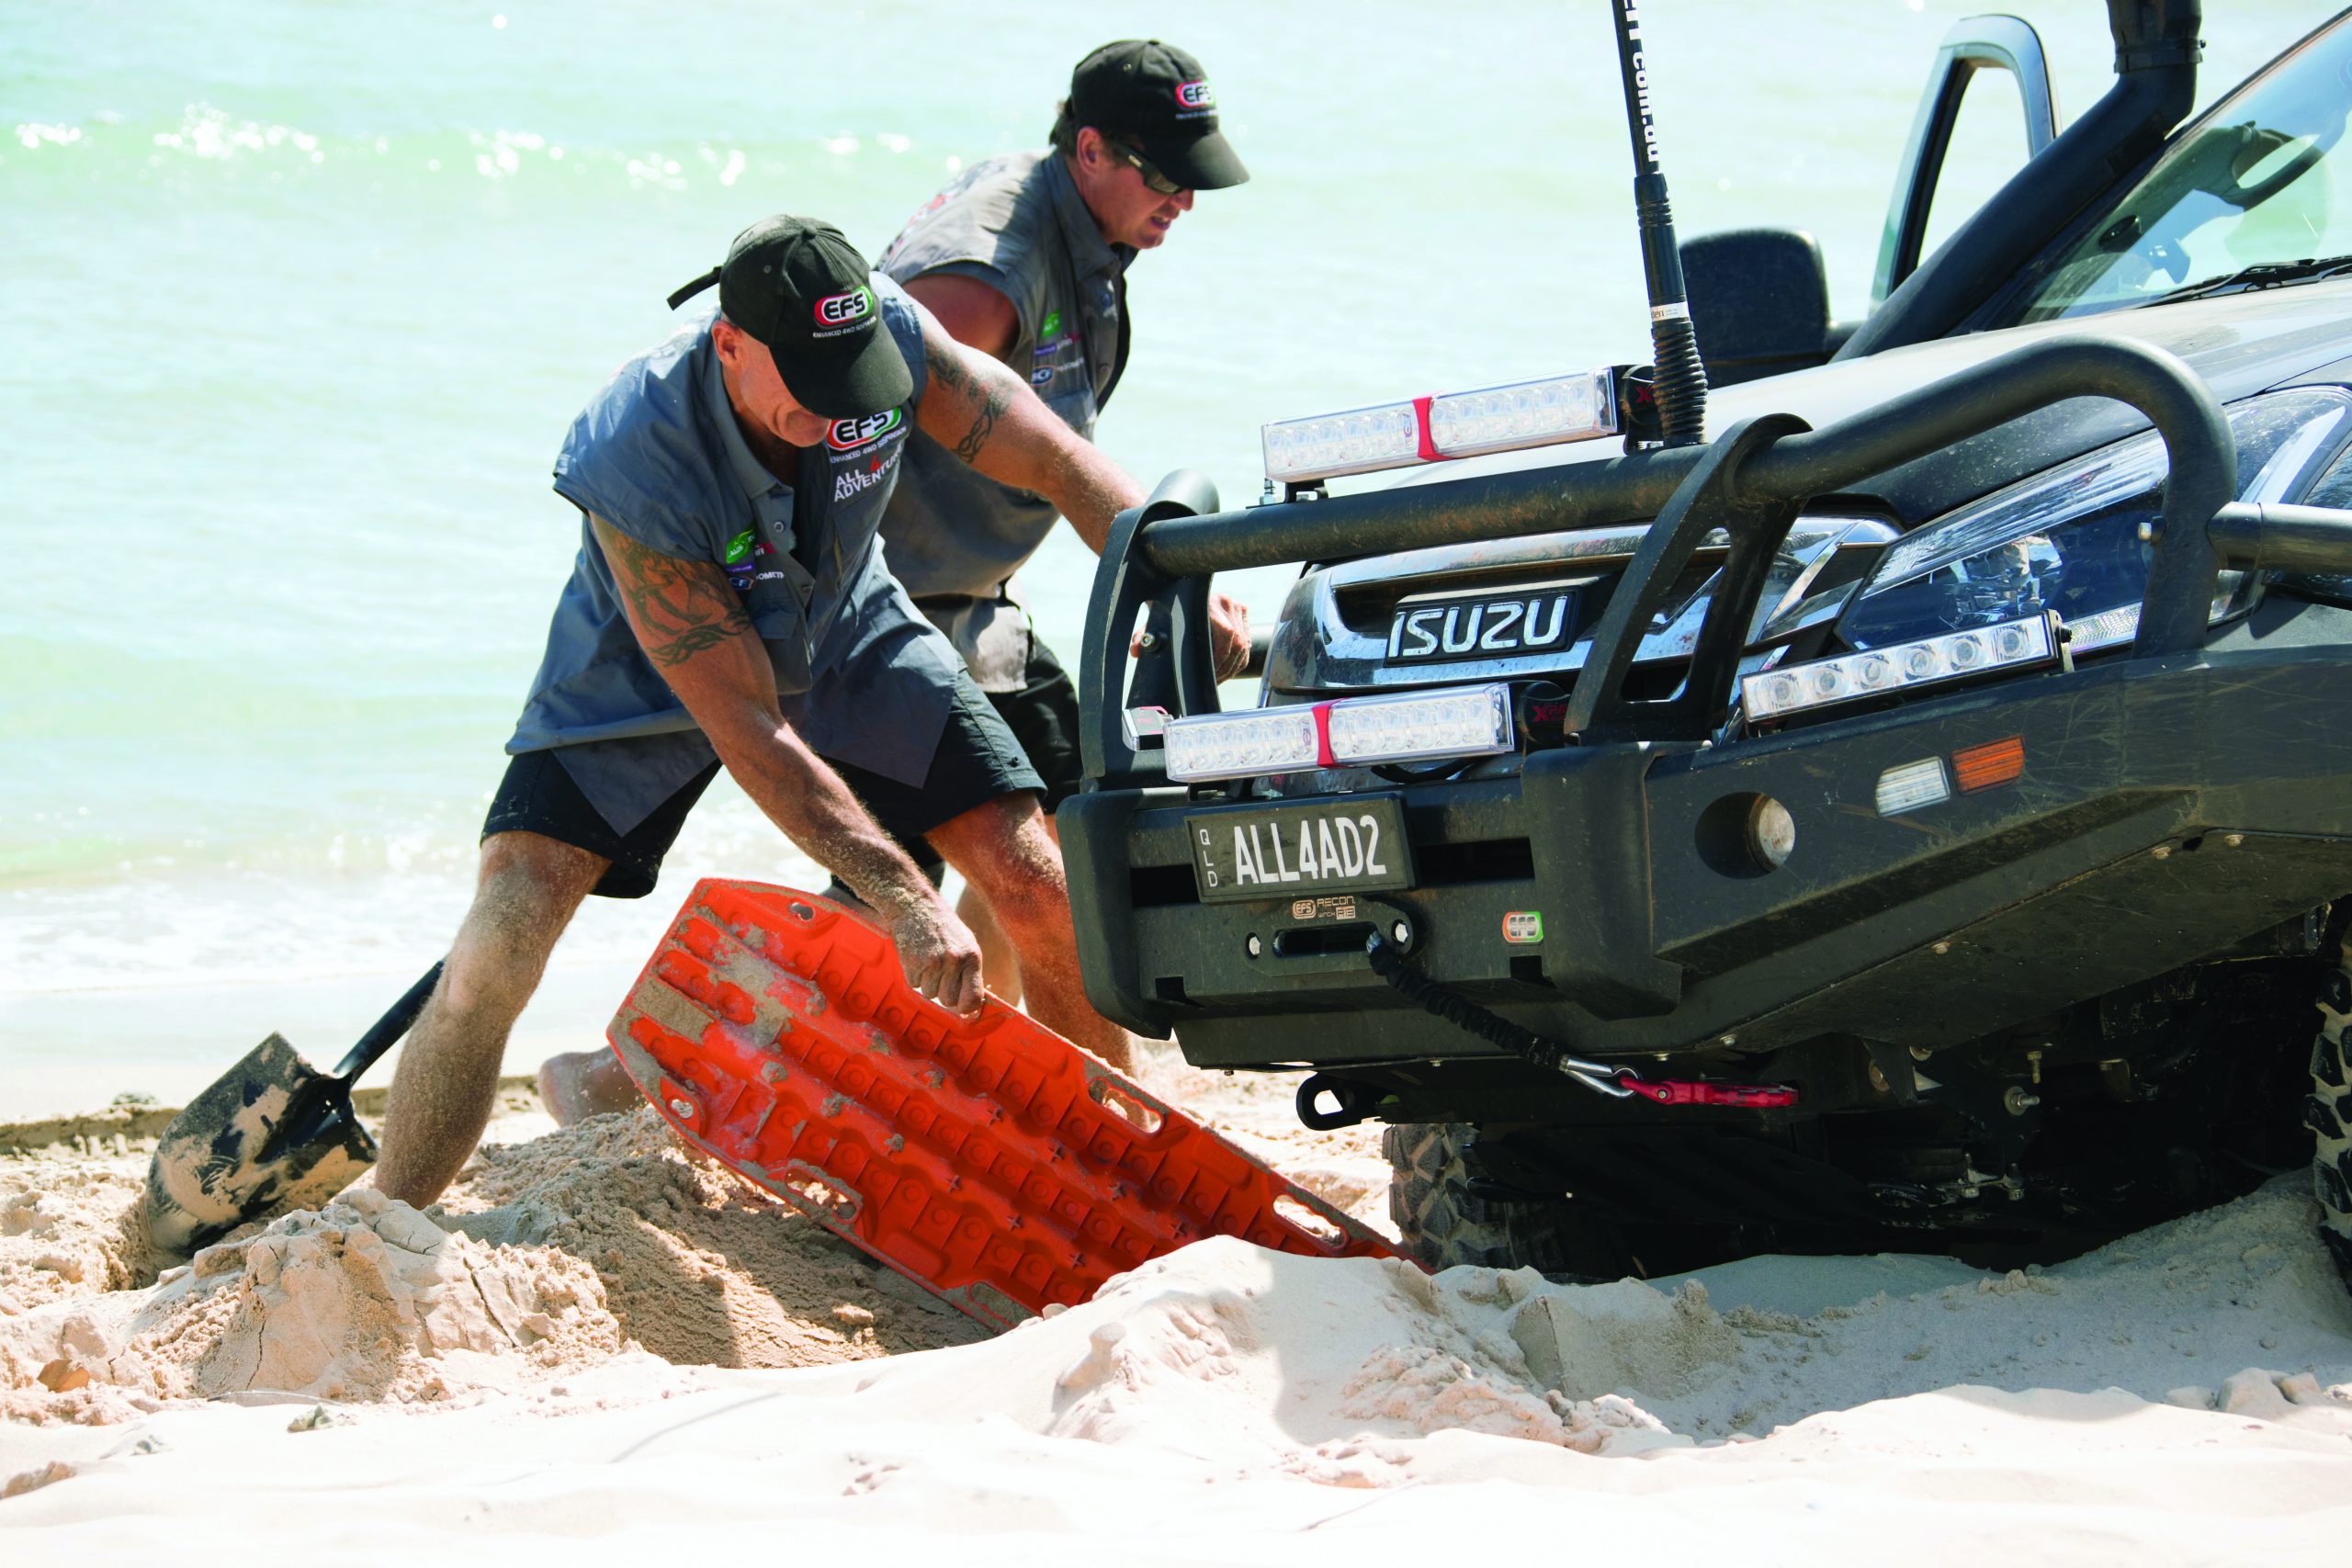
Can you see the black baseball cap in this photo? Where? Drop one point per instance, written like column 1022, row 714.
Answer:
column 1156, row 97
column 801, row 289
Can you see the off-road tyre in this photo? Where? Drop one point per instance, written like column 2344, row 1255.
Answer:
column 1444, row 1223
column 2328, row 1112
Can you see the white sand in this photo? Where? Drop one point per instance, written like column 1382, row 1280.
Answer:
column 370, row 1384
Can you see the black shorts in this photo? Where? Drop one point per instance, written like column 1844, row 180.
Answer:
column 978, row 759
column 1043, row 716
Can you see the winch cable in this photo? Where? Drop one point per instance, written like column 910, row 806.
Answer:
column 1618, row 1083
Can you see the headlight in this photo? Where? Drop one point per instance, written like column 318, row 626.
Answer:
column 2070, row 539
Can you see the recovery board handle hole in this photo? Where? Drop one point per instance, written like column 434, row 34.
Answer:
column 1144, row 1118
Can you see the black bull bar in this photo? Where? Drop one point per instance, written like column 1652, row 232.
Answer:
column 1750, row 484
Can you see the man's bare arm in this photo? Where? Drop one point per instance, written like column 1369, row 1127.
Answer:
column 975, row 314
column 676, row 608
column 692, row 625
column 988, row 416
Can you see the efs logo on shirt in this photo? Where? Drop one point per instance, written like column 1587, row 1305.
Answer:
column 849, row 434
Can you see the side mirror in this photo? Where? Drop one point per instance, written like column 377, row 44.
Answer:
column 1759, row 302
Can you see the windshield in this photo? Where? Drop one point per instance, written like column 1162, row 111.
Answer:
column 2260, row 181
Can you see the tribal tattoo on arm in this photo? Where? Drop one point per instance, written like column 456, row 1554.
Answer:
column 977, row 381
column 679, row 608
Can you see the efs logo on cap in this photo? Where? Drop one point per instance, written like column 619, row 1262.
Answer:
column 1195, row 95
column 848, row 435
column 845, row 310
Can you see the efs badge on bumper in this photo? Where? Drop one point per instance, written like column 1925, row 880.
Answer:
column 1353, row 844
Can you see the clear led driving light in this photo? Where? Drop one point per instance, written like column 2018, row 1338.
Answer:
column 1404, row 726
column 1412, row 726
column 1357, row 442
column 1447, row 424
column 1950, row 656
column 1239, row 745
column 1530, row 413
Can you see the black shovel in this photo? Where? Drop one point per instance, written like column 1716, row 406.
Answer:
column 272, row 1127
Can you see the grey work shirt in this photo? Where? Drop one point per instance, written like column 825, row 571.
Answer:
column 1017, row 224
column 658, row 456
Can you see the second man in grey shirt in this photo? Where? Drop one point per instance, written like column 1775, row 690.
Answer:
column 1024, row 257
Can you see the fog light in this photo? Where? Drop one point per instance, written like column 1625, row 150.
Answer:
column 1913, row 785
column 1771, row 832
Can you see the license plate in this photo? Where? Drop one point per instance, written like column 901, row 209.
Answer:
column 1483, row 626
column 1354, row 845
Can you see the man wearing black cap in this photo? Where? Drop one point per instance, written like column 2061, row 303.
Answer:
column 1024, row 257
column 729, row 607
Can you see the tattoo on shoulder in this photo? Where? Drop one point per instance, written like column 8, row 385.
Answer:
column 679, row 608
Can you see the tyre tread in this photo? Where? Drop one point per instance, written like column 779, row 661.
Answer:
column 1444, row 1223
column 2330, row 1136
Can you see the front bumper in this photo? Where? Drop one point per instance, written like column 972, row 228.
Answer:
column 2168, row 810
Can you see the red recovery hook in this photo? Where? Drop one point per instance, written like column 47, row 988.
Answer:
column 1691, row 1091
column 987, row 1158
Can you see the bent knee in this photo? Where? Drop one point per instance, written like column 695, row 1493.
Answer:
column 530, row 877
column 1003, row 848
column 529, row 889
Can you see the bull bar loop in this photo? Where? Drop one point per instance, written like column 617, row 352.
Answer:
column 1161, row 556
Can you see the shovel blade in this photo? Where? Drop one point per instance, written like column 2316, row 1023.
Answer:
column 272, row 1127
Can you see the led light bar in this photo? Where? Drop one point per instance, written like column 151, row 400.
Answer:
column 1403, row 726
column 1239, row 745
column 1414, row 726
column 1948, row 657
column 1444, row 425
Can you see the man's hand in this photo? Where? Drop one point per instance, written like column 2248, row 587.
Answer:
column 694, row 628
column 1228, row 636
column 940, row 955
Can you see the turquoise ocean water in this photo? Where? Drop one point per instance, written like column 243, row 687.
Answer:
column 296, row 301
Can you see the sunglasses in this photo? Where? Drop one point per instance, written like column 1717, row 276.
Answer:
column 1153, row 179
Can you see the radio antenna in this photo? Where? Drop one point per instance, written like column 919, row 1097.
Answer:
column 1679, row 379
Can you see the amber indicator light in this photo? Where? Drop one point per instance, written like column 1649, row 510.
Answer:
column 1996, row 762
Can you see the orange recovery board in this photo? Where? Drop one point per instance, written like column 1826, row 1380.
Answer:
column 986, row 1158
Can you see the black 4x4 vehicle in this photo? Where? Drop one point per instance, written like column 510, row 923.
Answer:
column 1920, row 815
